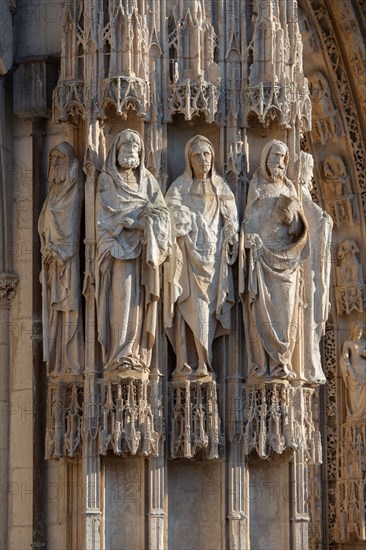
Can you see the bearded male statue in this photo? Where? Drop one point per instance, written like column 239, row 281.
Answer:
column 284, row 271
column 274, row 243
column 133, row 239
column 198, row 280
column 59, row 230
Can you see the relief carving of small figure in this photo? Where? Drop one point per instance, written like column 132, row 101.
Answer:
column 349, row 270
column 336, row 183
column 133, row 239
column 274, row 243
column 199, row 289
column 59, row 230
column 353, row 368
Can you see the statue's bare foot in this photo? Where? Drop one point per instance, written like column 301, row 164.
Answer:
column 202, row 370
column 182, row 370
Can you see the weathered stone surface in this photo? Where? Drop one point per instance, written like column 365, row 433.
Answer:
column 177, row 442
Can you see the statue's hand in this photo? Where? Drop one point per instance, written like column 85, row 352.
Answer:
column 252, row 240
column 51, row 255
column 232, row 248
column 284, row 215
column 286, row 210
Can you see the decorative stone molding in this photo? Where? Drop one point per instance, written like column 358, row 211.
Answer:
column 127, row 423
column 191, row 98
column 277, row 416
column 8, row 285
column 64, row 428
column 123, row 93
column 68, row 101
column 194, row 419
column 271, row 101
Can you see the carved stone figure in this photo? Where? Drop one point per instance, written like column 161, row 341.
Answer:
column 274, row 238
column 199, row 289
column 59, row 230
column 336, row 187
column 327, row 125
column 316, row 268
column 133, row 236
column 353, row 368
column 349, row 271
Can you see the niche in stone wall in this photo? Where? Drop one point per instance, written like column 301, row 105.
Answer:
column 196, row 509
column 124, row 499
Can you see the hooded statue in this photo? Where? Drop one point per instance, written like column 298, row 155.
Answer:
column 273, row 245
column 198, row 280
column 59, row 230
column 133, row 239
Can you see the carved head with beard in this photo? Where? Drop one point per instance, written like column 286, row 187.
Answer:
column 57, row 167
column 129, row 150
column 274, row 161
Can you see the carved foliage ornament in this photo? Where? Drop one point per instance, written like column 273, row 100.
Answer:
column 8, row 285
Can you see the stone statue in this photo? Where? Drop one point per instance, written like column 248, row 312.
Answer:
column 316, row 268
column 336, row 186
column 59, row 230
column 353, row 368
column 198, row 280
column 133, row 238
column 274, row 243
column 349, row 270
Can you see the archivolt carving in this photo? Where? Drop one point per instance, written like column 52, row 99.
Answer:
column 351, row 485
column 353, row 369
column 327, row 124
column 350, row 290
column 345, row 94
column 339, row 202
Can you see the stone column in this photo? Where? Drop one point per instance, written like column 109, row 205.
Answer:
column 8, row 283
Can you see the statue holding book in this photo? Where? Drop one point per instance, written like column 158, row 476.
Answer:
column 274, row 244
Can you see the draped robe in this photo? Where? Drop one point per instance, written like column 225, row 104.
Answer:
column 199, row 289
column 128, row 259
column 59, row 230
column 271, row 262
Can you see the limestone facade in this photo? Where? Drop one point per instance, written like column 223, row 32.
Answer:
column 182, row 293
